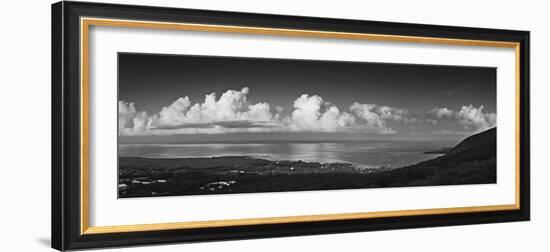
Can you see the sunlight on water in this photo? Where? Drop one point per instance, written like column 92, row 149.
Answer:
column 363, row 154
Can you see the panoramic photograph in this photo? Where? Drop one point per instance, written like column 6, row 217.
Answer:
column 197, row 125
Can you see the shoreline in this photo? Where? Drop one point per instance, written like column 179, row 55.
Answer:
column 142, row 177
column 195, row 158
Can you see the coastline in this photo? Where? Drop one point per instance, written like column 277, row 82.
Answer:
column 472, row 161
column 140, row 177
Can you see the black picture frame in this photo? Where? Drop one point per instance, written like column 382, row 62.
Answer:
column 66, row 134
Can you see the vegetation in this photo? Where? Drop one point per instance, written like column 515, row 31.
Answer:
column 473, row 161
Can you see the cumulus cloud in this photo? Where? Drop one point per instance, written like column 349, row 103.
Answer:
column 132, row 122
column 390, row 113
column 231, row 106
column 126, row 113
column 369, row 115
column 439, row 113
column 311, row 113
column 232, row 112
column 469, row 117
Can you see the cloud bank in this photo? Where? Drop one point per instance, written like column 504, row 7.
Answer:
column 232, row 112
column 231, row 106
column 469, row 117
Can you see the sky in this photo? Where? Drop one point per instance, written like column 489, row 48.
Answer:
column 181, row 98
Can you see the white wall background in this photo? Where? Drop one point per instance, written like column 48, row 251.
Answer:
column 25, row 124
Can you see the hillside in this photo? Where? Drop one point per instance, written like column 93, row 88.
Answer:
column 485, row 140
column 472, row 161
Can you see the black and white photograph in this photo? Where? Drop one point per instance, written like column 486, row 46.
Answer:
column 195, row 125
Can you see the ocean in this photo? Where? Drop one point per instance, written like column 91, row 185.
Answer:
column 364, row 154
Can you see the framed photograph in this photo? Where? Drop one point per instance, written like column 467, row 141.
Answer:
column 180, row 125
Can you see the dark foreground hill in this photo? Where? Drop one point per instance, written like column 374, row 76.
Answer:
column 472, row 161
